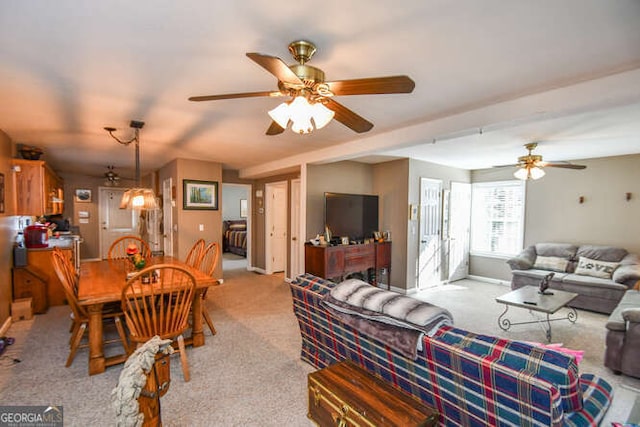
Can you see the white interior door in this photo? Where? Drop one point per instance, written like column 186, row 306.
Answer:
column 114, row 222
column 430, row 255
column 295, row 241
column 459, row 227
column 276, row 226
column 167, row 217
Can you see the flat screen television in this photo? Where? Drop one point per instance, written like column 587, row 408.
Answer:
column 351, row 215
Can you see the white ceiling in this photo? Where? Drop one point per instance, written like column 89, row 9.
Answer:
column 490, row 76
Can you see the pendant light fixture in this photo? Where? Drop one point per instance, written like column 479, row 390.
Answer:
column 138, row 198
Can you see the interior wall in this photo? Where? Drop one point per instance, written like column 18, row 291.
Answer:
column 189, row 221
column 258, row 227
column 390, row 183
column 420, row 169
column 8, row 227
column 90, row 231
column 340, row 177
column 232, row 194
column 553, row 212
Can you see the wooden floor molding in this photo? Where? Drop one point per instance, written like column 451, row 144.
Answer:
column 5, row 327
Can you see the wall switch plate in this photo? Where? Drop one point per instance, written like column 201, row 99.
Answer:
column 201, row 227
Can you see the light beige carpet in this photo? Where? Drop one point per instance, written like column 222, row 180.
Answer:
column 250, row 373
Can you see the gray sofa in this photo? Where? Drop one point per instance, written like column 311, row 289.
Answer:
column 600, row 275
column 623, row 336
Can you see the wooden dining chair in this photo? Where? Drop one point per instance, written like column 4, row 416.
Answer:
column 195, row 253
column 118, row 249
column 207, row 265
column 161, row 307
column 80, row 320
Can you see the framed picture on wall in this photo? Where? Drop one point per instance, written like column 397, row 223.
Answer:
column 83, row 195
column 201, row 195
column 243, row 208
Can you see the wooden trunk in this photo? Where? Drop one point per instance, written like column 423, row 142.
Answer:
column 157, row 385
column 345, row 395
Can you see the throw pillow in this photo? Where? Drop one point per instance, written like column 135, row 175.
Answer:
column 551, row 263
column 238, row 227
column 595, row 268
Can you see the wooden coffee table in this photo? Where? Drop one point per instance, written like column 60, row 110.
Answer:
column 549, row 303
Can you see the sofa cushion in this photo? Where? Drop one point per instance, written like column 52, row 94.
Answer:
column 601, row 253
column 630, row 300
column 557, row 368
column 551, row 263
column 595, row 268
column 626, row 273
column 562, row 250
column 534, row 273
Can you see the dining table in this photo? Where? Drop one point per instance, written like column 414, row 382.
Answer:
column 101, row 282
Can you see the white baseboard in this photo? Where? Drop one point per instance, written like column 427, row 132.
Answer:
column 489, row 280
column 5, row 327
column 257, row 270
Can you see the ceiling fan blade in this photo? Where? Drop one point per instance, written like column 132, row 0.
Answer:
column 277, row 67
column 348, row 117
column 235, row 95
column 506, row 166
column 274, row 129
column 565, row 165
column 372, row 86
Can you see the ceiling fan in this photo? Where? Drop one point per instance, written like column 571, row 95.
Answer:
column 111, row 178
column 531, row 165
column 312, row 96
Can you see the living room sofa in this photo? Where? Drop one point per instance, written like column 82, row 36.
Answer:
column 470, row 379
column 600, row 275
column 623, row 336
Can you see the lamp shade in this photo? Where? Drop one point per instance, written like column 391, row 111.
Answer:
column 139, row 199
column 280, row 115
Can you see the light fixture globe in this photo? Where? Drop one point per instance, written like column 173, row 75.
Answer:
column 305, row 117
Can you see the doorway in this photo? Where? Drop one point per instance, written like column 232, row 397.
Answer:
column 236, row 210
column 114, row 222
column 276, row 201
column 459, row 227
column 430, row 246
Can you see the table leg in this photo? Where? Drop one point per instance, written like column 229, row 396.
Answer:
column 504, row 323
column 96, row 351
column 197, row 334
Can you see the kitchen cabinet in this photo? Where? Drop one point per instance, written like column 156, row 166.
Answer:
column 39, row 280
column 39, row 191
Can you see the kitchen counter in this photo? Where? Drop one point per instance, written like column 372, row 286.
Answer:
column 65, row 241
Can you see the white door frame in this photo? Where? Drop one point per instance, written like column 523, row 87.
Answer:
column 268, row 212
column 296, row 259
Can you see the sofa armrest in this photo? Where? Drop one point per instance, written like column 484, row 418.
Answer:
column 524, row 260
column 631, row 314
column 626, row 273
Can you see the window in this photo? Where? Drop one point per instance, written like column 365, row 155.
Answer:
column 497, row 218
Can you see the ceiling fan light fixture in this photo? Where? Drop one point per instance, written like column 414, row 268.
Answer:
column 301, row 113
column 529, row 172
column 321, row 115
column 280, row 115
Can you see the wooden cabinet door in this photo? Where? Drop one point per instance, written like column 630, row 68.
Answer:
column 29, row 181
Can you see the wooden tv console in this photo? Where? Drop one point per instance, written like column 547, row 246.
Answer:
column 332, row 262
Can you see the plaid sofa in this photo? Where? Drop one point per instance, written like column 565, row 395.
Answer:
column 471, row 379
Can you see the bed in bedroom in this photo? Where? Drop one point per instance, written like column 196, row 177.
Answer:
column 234, row 236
